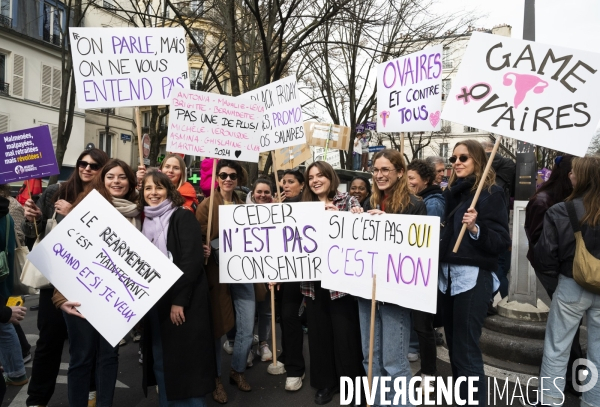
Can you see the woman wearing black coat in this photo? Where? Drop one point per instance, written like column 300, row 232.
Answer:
column 466, row 276
column 178, row 340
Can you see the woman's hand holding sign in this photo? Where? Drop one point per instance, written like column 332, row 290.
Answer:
column 32, row 212
column 70, row 307
column 470, row 217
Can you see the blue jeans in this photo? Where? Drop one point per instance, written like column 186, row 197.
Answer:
column 464, row 314
column 245, row 307
column 86, row 345
column 10, row 351
column 390, row 344
column 569, row 303
column 159, row 371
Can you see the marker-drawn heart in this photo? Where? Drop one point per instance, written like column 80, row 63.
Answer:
column 238, row 153
column 434, row 118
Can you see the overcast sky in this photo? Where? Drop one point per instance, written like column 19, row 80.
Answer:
column 569, row 23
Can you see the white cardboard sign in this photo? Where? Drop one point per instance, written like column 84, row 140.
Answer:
column 282, row 121
column 401, row 250
column 409, row 92
column 541, row 94
column 128, row 66
column 213, row 125
column 270, row 243
column 96, row 257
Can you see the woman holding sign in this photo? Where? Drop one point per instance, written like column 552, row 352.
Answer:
column 174, row 167
column 466, row 276
column 56, row 199
column 88, row 350
column 333, row 323
column 229, row 175
column 391, row 194
column 178, row 348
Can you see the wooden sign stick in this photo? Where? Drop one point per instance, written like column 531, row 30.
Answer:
column 210, row 204
column 402, row 144
column 372, row 333
column 273, row 316
column 138, row 121
column 478, row 192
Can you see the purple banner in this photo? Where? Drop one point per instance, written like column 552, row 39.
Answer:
column 27, row 154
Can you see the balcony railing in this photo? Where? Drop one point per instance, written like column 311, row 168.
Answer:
column 52, row 39
column 5, row 21
column 4, row 88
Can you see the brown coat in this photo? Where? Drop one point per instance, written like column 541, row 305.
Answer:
column 220, row 297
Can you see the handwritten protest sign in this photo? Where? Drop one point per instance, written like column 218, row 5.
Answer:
column 402, row 250
column 97, row 257
column 270, row 243
column 27, row 154
column 537, row 93
column 332, row 136
column 290, row 157
column 282, row 121
column 213, row 125
column 409, row 92
column 128, row 66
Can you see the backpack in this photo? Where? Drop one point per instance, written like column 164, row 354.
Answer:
column 586, row 267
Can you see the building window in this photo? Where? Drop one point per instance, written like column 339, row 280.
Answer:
column 5, row 14
column 145, row 119
column 105, row 143
column 109, row 111
column 3, row 84
column 197, row 6
column 51, row 86
column 419, row 149
column 51, row 31
column 163, row 121
column 196, row 76
column 444, row 151
column 446, row 61
column 446, row 85
column 226, row 86
column 446, row 126
column 199, row 37
column 469, row 129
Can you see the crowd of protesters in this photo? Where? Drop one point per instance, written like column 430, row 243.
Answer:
column 199, row 317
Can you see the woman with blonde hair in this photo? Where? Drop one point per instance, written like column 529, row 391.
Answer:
column 466, row 276
column 390, row 195
column 555, row 253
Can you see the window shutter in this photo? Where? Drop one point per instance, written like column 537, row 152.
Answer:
column 56, row 87
column 18, row 75
column 46, row 85
column 54, row 134
column 3, row 123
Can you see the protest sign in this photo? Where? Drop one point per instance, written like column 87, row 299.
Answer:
column 213, row 125
column 282, row 120
column 290, row 157
column 27, row 154
column 318, row 134
column 128, row 66
column 97, row 257
column 537, row 93
column 402, row 250
column 277, row 242
column 409, row 92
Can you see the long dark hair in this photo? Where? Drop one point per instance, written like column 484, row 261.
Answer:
column 587, row 174
column 99, row 185
column 477, row 154
column 558, row 187
column 158, row 178
column 71, row 188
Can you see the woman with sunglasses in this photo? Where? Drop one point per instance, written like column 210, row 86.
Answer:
column 390, row 195
column 51, row 323
column 174, row 168
column 229, row 175
column 89, row 351
column 466, row 276
column 289, row 301
column 178, row 351
column 333, row 323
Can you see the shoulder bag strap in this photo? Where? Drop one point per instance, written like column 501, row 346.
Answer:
column 455, row 209
column 573, row 216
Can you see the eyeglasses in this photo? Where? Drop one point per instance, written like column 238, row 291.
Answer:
column 462, row 158
column 384, row 171
column 84, row 164
column 224, row 176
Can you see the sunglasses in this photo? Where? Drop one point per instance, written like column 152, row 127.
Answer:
column 224, row 175
column 84, row 164
column 462, row 158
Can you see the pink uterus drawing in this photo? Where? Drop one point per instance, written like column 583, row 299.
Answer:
column 384, row 116
column 523, row 84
